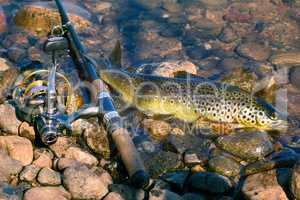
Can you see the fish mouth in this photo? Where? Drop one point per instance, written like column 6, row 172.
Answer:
column 280, row 125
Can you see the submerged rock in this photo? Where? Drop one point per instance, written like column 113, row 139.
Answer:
column 160, row 162
column 7, row 192
column 287, row 58
column 127, row 192
column 29, row 173
column 263, row 186
column 250, row 146
column 209, row 182
column 176, row 179
column 163, row 194
column 2, row 21
column 255, row 51
column 41, row 17
column 225, row 166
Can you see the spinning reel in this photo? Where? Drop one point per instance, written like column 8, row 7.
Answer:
column 44, row 97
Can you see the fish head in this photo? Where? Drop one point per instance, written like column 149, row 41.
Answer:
column 269, row 119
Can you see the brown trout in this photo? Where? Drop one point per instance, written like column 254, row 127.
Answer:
column 195, row 98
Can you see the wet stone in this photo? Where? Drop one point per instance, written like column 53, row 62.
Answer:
column 176, row 179
column 84, row 183
column 47, row 193
column 5, row 64
column 40, row 18
column 127, row 192
column 250, row 146
column 16, row 54
column 193, row 196
column 192, row 157
column 49, row 177
column 29, row 173
column 60, row 147
column 182, row 143
column 27, row 131
column 113, row 196
column 225, row 166
column 163, row 194
column 157, row 129
column 228, row 35
column 7, row 78
column 209, row 182
column 263, row 186
column 97, row 139
column 286, row 58
column 160, row 162
column 255, row 51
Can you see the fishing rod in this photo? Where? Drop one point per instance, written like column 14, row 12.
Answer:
column 106, row 109
column 36, row 98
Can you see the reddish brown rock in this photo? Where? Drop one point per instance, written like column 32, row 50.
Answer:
column 63, row 163
column 9, row 122
column 170, row 69
column 47, row 193
column 27, row 131
column 84, row 183
column 254, row 51
column 60, row 147
column 81, row 156
column 49, row 177
column 9, row 167
column 29, row 173
column 295, row 182
column 18, row 148
column 263, row 186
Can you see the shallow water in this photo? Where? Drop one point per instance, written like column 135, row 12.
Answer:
column 251, row 44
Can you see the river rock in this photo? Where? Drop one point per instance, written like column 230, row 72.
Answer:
column 29, row 173
column 84, row 183
column 250, row 146
column 228, row 35
column 9, row 167
column 81, row 156
column 47, row 193
column 176, row 179
column 193, row 196
column 194, row 157
column 163, row 195
column 209, row 182
column 16, row 53
column 61, row 145
column 127, row 192
column 225, row 166
column 49, row 177
column 286, row 58
column 255, row 51
column 2, row 21
column 5, row 64
column 18, row 148
column 9, row 122
column 157, row 129
column 99, row 7
column 160, row 162
column 295, row 184
column 27, row 131
column 263, row 186
column 172, row 68
column 40, row 18
column 63, row 163
column 113, row 196
column 182, row 143
column 42, row 161
column 7, row 78
column 97, row 139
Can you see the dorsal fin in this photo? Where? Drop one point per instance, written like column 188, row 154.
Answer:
column 116, row 55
